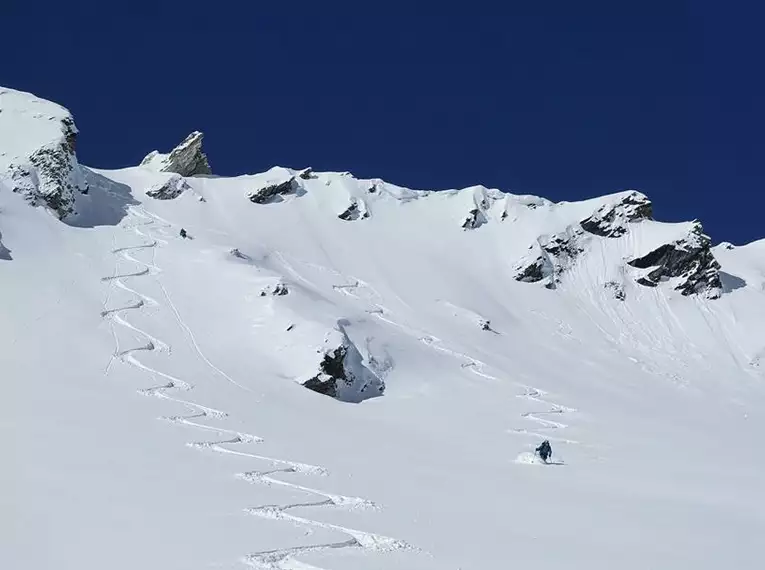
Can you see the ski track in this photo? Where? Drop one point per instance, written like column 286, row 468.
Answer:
column 478, row 368
column 279, row 559
column 545, row 427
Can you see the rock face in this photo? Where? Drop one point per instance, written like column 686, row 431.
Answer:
column 332, row 372
column 356, row 211
column 278, row 290
column 478, row 214
column 475, row 219
column 549, row 258
column 187, row 159
column 611, row 219
column 170, row 189
column 274, row 192
column 690, row 260
column 616, row 289
column 343, row 374
column 51, row 175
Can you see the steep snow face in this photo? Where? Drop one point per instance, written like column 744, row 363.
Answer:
column 350, row 374
column 37, row 151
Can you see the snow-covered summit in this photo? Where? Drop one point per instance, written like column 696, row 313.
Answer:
column 186, row 159
column 37, row 151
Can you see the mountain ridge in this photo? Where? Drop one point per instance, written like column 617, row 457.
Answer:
column 344, row 373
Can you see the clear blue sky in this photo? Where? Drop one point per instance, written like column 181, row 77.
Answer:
column 558, row 98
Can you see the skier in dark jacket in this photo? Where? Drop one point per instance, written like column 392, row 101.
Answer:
column 544, row 450
column 183, row 233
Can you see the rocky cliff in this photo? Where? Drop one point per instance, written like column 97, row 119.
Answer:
column 187, row 159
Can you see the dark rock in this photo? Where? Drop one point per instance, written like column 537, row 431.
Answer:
column 238, row 254
column 332, row 371
column 611, row 219
column 273, row 192
column 475, row 219
column 353, row 212
column 372, row 189
column 52, row 175
column 689, row 259
column 533, row 272
column 278, row 290
column 616, row 289
column 307, row 174
column 344, row 375
column 187, row 159
column 550, row 258
column 169, row 189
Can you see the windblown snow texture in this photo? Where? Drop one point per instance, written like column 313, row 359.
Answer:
column 342, row 373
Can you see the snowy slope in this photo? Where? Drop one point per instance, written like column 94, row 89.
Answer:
column 156, row 418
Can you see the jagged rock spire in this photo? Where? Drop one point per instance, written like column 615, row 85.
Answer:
column 187, row 159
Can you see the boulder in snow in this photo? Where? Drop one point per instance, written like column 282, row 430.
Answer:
column 616, row 289
column 273, row 192
column 169, row 189
column 475, row 219
column 356, row 211
column 278, row 290
column 343, row 373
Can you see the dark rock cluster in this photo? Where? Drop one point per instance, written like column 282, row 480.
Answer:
column 169, row 189
column 690, row 259
column 273, row 192
column 611, row 219
column 554, row 255
column 353, row 212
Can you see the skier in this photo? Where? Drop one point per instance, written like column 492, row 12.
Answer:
column 544, row 450
column 183, row 233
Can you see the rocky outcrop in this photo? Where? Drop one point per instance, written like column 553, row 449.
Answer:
column 274, row 192
column 332, row 371
column 278, row 290
column 356, row 211
column 169, row 189
column 616, row 289
column 549, row 258
column 475, row 219
column 239, row 255
column 187, row 159
column 51, row 175
column 307, row 174
column 477, row 216
column 612, row 220
column 689, row 260
column 343, row 373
